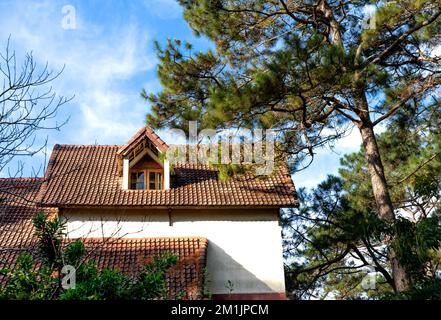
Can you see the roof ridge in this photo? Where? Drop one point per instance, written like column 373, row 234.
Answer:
column 21, row 178
column 88, row 145
column 139, row 239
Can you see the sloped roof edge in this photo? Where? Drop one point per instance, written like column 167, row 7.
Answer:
column 145, row 132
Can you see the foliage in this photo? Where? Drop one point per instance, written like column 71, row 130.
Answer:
column 49, row 233
column 108, row 284
column 418, row 245
column 151, row 282
column 205, row 293
column 94, row 284
column 226, row 171
column 26, row 283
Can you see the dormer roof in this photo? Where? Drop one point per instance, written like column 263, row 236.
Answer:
column 145, row 133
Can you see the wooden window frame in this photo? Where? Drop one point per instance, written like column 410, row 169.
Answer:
column 147, row 178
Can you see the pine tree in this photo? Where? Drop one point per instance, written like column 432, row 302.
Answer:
column 335, row 240
column 312, row 69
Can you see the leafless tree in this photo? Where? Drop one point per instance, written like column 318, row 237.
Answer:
column 28, row 106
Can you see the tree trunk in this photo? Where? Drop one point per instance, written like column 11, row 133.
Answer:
column 382, row 197
column 334, row 26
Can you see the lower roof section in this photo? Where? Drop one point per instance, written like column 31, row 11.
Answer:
column 185, row 279
column 18, row 207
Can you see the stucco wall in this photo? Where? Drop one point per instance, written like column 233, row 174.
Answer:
column 244, row 245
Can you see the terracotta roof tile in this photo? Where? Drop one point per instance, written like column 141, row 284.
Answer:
column 129, row 255
column 89, row 176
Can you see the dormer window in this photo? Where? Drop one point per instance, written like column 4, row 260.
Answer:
column 151, row 179
column 141, row 163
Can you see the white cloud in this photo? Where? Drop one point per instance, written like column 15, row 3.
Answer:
column 99, row 65
column 437, row 51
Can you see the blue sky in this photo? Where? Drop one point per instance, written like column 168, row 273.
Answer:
column 108, row 58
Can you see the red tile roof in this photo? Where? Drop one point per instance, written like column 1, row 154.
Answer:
column 89, row 176
column 17, row 207
column 129, row 255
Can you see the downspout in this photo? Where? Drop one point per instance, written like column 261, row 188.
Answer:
column 170, row 221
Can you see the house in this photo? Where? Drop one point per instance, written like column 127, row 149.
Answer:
column 128, row 202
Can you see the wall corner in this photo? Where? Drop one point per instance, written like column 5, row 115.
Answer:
column 125, row 180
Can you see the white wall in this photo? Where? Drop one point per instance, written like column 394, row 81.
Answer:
column 244, row 246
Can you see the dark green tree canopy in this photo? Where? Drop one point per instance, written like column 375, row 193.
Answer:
column 302, row 65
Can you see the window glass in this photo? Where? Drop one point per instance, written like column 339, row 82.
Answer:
column 159, row 177
column 137, row 180
column 133, row 180
column 152, row 180
column 140, row 181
